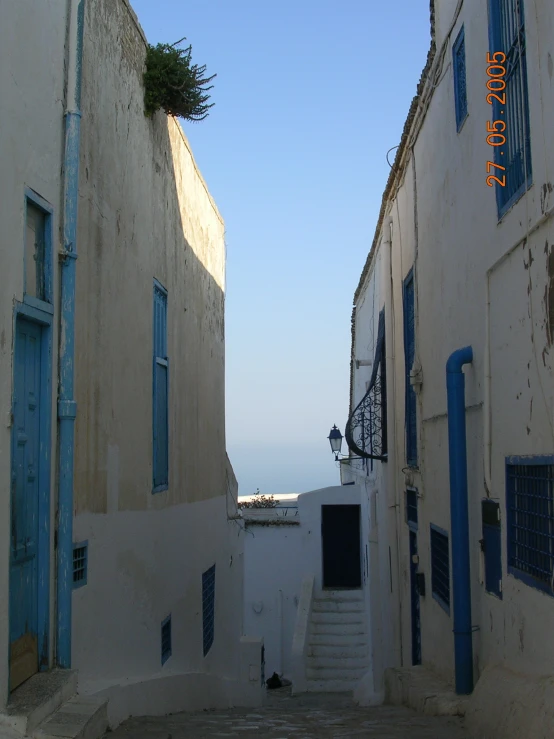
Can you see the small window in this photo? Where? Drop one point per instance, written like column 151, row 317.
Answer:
column 492, row 547
column 160, row 411
column 38, row 248
column 411, row 508
column 530, row 520
column 80, row 561
column 166, row 639
column 440, row 567
column 208, row 608
column 460, row 89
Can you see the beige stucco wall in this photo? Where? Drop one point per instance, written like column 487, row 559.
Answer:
column 145, row 213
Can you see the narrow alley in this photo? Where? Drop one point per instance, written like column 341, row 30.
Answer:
column 308, row 716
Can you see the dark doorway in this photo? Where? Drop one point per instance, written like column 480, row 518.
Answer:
column 414, row 592
column 340, row 535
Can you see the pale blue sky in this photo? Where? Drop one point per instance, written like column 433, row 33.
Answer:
column 310, row 95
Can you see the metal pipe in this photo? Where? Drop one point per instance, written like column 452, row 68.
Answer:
column 459, row 516
column 67, row 407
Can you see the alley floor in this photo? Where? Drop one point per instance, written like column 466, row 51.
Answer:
column 311, row 716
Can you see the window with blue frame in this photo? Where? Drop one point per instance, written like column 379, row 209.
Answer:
column 440, row 567
column 161, row 391
column 409, row 356
column 460, row 89
column 208, row 609
column 511, row 105
column 38, row 249
column 530, row 520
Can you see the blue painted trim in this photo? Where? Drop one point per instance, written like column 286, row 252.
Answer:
column 460, row 119
column 411, row 443
column 530, row 459
column 44, row 319
column 459, row 519
column 38, row 304
column 80, row 545
column 44, row 206
column 158, row 287
column 67, row 408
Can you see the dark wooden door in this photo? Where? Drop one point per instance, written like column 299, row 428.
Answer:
column 340, row 534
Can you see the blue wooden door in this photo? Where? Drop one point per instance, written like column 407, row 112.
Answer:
column 24, row 503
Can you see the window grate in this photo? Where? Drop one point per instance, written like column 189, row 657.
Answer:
column 80, row 561
column 507, row 34
column 208, row 608
column 460, row 89
column 530, row 524
column 409, row 355
column 411, row 506
column 166, row 639
column 440, row 567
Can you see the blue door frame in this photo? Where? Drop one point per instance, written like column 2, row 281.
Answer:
column 30, row 535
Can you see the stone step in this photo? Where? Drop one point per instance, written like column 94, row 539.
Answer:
column 337, row 640
column 337, row 618
column 338, row 606
column 360, row 651
column 334, row 673
column 336, row 663
column 38, row 698
column 338, row 629
column 339, row 595
column 81, row 717
column 331, row 686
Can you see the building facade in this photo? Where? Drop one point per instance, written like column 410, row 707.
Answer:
column 123, row 549
column 462, row 259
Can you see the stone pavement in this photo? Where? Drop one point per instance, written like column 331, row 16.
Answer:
column 310, row 716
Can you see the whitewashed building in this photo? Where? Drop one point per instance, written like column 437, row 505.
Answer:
column 122, row 545
column 459, row 284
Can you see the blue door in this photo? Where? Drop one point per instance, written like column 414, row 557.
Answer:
column 25, row 503
column 414, row 593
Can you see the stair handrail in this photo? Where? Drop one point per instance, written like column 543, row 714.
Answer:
column 301, row 635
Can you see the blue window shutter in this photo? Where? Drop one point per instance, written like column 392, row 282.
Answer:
column 409, row 354
column 492, row 546
column 440, row 567
column 507, row 34
column 460, row 89
column 160, row 391
column 208, row 609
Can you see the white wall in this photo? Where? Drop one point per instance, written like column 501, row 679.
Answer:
column 456, row 239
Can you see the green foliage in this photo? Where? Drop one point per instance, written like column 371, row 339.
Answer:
column 260, row 501
column 172, row 83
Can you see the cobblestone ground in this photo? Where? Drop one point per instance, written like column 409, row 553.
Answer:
column 312, row 716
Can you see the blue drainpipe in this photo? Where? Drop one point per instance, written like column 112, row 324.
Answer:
column 455, row 389
column 67, row 407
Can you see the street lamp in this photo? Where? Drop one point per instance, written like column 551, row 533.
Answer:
column 335, row 439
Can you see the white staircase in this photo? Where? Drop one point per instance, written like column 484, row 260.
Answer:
column 338, row 650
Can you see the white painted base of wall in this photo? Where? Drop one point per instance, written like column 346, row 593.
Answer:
column 173, row 693
column 512, row 706
column 365, row 693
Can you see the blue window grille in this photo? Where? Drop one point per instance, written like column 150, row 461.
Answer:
column 38, row 250
column 411, row 508
column 440, row 567
column 460, row 89
column 161, row 391
column 507, row 34
column 208, row 608
column 166, row 639
column 492, row 546
column 80, row 562
column 409, row 355
column 530, row 520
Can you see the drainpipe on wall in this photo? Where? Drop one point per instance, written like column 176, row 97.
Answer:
column 459, row 516
column 67, row 408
